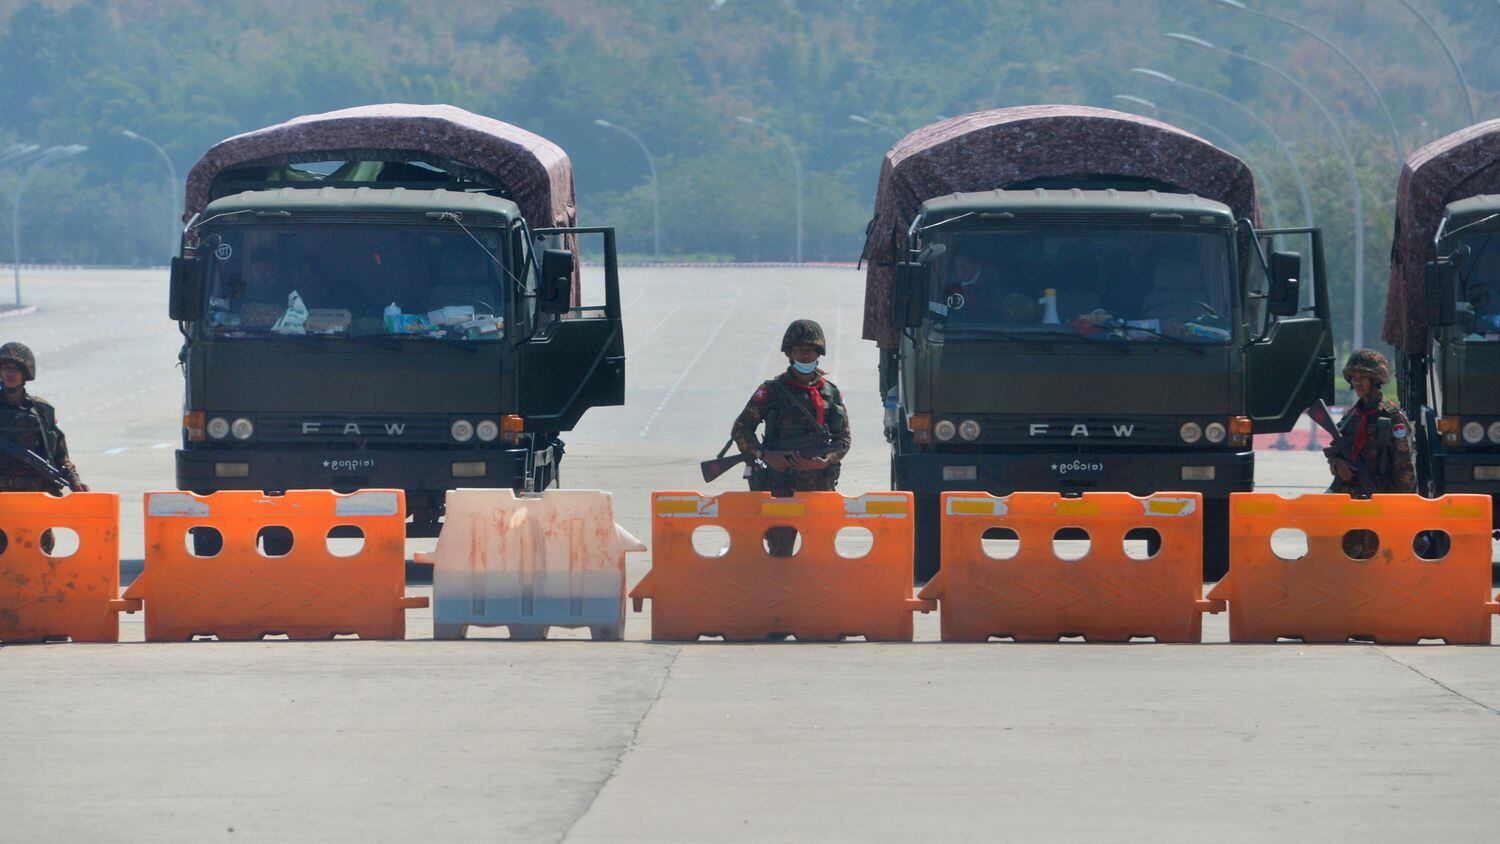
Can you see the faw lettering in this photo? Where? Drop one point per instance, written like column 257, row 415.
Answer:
column 396, row 429
column 353, row 429
column 311, row 427
column 1079, row 429
column 350, row 428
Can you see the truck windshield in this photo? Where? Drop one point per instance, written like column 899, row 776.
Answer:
column 1137, row 286
column 355, row 280
column 1479, row 287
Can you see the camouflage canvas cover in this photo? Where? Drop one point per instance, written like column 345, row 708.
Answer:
column 534, row 172
column 1458, row 166
column 1001, row 148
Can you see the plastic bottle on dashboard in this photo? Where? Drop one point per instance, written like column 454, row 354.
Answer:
column 391, row 312
column 1049, row 306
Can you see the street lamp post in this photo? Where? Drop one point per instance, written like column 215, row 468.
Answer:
column 171, row 189
column 1452, row 59
column 865, row 121
column 1390, row 122
column 50, row 155
column 655, row 196
column 1338, row 134
column 796, row 170
column 16, row 153
column 1234, row 146
column 1255, row 118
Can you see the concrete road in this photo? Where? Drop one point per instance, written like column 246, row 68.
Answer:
column 576, row 741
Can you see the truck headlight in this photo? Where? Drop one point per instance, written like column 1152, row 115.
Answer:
column 1494, row 432
column 462, row 430
column 218, row 427
column 968, row 430
column 1215, row 432
column 487, row 430
column 1473, row 433
column 1190, row 432
column 242, row 428
column 944, row 430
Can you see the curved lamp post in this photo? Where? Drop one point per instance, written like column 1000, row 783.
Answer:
column 16, row 153
column 861, row 119
column 796, row 170
column 1390, row 122
column 1452, row 59
column 655, row 193
column 1359, row 213
column 1255, row 118
column 1234, row 146
column 48, row 156
column 176, row 222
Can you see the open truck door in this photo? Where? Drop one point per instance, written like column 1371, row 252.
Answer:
column 1289, row 358
column 575, row 358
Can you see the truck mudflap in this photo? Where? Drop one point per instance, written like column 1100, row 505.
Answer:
column 206, row 470
column 1139, row 473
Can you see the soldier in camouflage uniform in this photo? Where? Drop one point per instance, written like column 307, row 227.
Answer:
column 1381, row 442
column 798, row 406
column 31, row 423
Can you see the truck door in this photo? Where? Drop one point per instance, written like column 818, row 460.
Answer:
column 1289, row 362
column 577, row 360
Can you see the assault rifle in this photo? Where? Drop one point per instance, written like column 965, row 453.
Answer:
column 37, row 464
column 812, row 445
column 1342, row 448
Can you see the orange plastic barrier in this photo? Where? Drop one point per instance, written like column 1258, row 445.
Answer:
column 55, row 597
column 1394, row 596
column 310, row 593
column 745, row 594
column 1105, row 596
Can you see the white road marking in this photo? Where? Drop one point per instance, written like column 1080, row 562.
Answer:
column 682, row 376
column 164, row 445
column 115, row 450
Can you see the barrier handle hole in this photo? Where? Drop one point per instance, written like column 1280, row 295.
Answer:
column 1360, row 544
column 4, row 542
column 274, row 541
column 1431, row 544
column 852, row 543
column 1071, row 543
column 710, row 541
column 204, row 542
column 59, row 542
column 1142, row 543
column 344, row 540
column 782, row 541
column 1000, row 543
column 1288, row 544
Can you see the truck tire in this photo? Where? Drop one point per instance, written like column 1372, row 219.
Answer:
column 927, row 549
column 1215, row 539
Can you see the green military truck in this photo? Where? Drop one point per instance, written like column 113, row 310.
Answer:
column 1443, row 308
column 1073, row 299
column 387, row 296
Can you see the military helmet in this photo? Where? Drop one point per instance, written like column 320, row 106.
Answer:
column 1368, row 362
column 803, row 332
column 18, row 354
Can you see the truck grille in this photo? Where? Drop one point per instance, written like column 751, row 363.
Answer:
column 346, row 429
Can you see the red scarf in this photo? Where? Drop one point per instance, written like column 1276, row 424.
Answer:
column 820, row 409
column 1362, row 427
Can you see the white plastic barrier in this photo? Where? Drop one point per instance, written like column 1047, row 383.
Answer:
column 530, row 564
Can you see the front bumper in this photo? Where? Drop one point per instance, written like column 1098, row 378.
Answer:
column 1137, row 473
column 414, row 471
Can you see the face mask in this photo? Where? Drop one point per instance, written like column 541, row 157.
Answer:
column 805, row 368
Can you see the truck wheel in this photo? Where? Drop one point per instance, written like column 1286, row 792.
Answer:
column 1215, row 539
column 927, row 549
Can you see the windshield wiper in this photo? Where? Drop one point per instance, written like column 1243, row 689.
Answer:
column 1197, row 349
column 999, row 334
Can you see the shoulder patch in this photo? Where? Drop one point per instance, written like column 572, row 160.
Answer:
column 760, row 394
column 1399, row 430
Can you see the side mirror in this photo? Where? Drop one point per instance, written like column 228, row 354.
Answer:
column 1284, row 297
column 910, row 300
column 1442, row 291
column 555, row 288
column 185, row 296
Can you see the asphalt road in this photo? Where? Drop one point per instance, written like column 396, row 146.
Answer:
column 577, row 741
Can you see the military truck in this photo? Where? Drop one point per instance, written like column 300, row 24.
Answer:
column 1073, row 299
column 387, row 296
column 1443, row 308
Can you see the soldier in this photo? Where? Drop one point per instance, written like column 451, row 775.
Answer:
column 807, row 428
column 1380, row 440
column 31, row 423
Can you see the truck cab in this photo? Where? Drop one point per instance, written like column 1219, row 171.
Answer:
column 1083, row 339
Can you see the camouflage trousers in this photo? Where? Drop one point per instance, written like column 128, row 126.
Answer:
column 782, row 541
